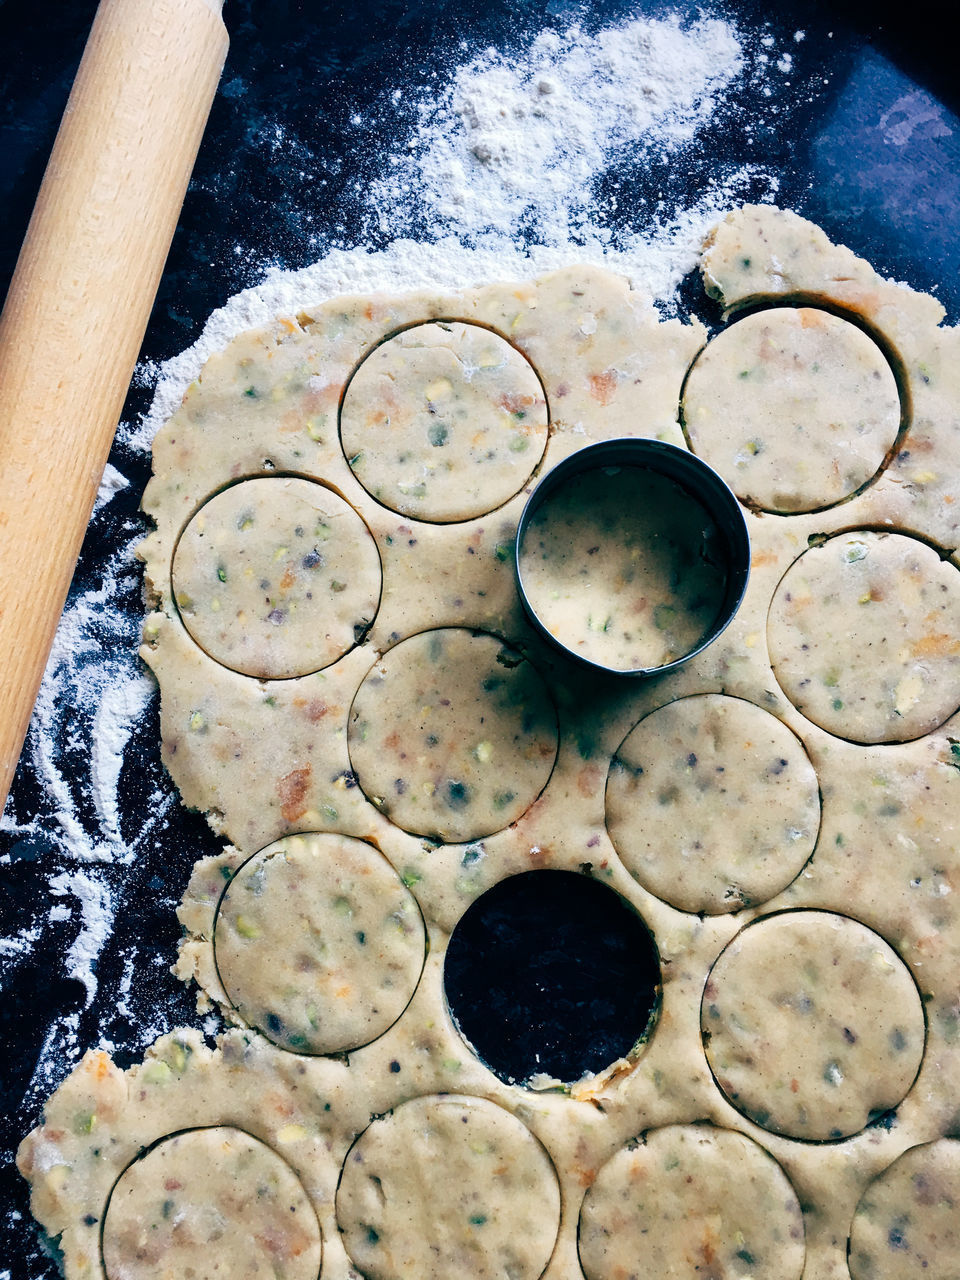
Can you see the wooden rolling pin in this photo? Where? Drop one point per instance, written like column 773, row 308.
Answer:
column 79, row 303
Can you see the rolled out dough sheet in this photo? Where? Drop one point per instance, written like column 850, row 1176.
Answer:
column 783, row 811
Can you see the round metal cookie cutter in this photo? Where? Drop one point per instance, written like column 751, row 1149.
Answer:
column 726, row 543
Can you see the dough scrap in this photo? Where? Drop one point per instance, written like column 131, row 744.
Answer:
column 444, row 421
column 812, row 1025
column 318, row 943
column 796, row 408
column 712, row 803
column 690, row 1200
column 276, row 577
column 451, row 1186
column 864, row 636
column 453, row 734
column 209, row 1203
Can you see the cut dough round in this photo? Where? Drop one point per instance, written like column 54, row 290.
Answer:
column 712, row 804
column 453, row 734
column 276, row 577
column 209, row 1203
column 617, row 564
column 812, row 1024
column 864, row 636
column 908, row 1220
column 444, row 421
column 448, row 1186
column 793, row 406
column 691, row 1200
column 318, row 943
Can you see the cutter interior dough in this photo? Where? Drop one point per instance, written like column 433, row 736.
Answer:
column 615, row 565
column 884, row 864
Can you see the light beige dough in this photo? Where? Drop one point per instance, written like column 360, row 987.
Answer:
column 452, row 1186
column 691, row 1200
column 209, row 1203
column 864, row 636
column 444, row 421
column 276, row 577
column 796, row 408
column 269, row 758
column 617, row 566
column 453, row 734
column 318, row 943
column 812, row 1025
column 907, row 1223
column 712, row 803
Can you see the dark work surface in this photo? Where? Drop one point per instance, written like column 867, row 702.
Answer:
column 870, row 149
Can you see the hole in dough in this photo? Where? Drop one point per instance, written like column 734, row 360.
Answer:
column 552, row 974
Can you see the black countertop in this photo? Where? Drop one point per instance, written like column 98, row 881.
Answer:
column 864, row 141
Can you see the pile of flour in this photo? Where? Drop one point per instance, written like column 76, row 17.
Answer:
column 494, row 175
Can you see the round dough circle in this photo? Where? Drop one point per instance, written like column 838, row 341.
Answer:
column 712, row 803
column 448, row 1186
column 691, row 1199
column 812, row 1024
column 908, row 1220
column 453, row 734
column 318, row 943
column 793, row 406
column 276, row 577
column 864, row 636
column 209, row 1203
column 444, row 421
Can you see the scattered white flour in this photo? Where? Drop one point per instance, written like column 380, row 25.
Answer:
column 519, row 163
column 96, row 914
column 519, row 142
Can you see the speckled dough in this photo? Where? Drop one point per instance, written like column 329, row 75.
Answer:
column 907, row 1223
column 444, row 421
column 447, row 1187
column 794, row 407
column 712, row 803
column 209, row 1203
column 864, row 635
column 812, row 1025
column 318, row 944
column 276, row 577
column 691, row 1200
column 267, row 759
column 617, row 566
column 453, row 734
